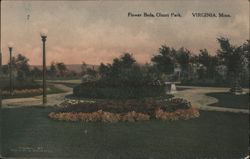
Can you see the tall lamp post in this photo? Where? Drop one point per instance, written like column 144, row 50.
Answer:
column 0, row 78
column 10, row 46
column 43, row 35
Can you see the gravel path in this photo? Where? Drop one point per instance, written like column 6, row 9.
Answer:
column 197, row 96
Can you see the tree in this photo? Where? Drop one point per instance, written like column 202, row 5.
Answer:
column 245, row 76
column 52, row 70
column 91, row 72
column 164, row 61
column 36, row 72
column 83, row 68
column 21, row 65
column 104, row 70
column 183, row 57
column 127, row 60
column 209, row 62
column 61, row 67
column 123, row 71
column 5, row 69
column 234, row 58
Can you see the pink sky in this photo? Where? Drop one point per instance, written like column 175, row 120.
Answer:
column 98, row 31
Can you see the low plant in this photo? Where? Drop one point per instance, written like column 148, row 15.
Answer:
column 99, row 115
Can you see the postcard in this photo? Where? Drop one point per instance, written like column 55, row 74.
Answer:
column 124, row 79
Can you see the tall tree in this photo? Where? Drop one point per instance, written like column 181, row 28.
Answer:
column 209, row 62
column 21, row 65
column 52, row 69
column 183, row 57
column 164, row 61
column 61, row 67
column 127, row 60
column 234, row 58
column 104, row 70
column 36, row 72
column 83, row 68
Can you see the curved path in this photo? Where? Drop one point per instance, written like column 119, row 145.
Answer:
column 52, row 99
column 197, row 96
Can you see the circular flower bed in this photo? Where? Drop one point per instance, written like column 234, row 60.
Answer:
column 124, row 110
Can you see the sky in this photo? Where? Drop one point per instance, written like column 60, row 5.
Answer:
column 98, row 31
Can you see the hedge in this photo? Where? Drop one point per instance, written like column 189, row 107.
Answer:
column 118, row 92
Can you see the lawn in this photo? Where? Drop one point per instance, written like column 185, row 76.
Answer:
column 226, row 99
column 28, row 132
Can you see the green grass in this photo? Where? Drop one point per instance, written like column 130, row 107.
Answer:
column 226, row 99
column 28, row 132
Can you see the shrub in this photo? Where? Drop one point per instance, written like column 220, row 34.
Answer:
column 88, row 90
column 174, row 104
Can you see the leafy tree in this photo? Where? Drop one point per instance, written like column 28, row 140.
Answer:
column 91, row 71
column 52, row 70
column 36, row 72
column 21, row 65
column 124, row 71
column 20, row 75
column 234, row 58
column 127, row 60
column 183, row 57
column 210, row 62
column 104, row 70
column 164, row 61
column 61, row 67
column 5, row 69
column 83, row 68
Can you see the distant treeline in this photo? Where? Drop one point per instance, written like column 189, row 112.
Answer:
column 230, row 63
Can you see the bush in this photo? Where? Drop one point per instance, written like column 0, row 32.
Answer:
column 92, row 90
column 173, row 104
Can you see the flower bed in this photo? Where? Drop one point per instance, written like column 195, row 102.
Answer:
column 124, row 110
column 100, row 116
column 183, row 114
column 24, row 91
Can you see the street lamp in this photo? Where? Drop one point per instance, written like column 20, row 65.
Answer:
column 0, row 78
column 10, row 46
column 43, row 35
